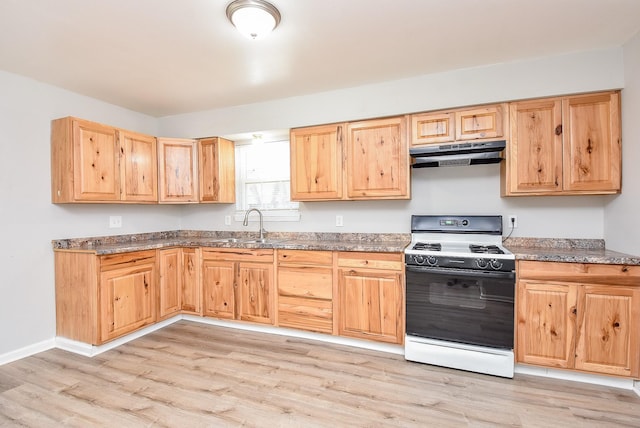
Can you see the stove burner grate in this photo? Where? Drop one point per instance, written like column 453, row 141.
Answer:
column 485, row 249
column 428, row 246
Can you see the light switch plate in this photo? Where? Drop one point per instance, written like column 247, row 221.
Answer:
column 227, row 220
column 339, row 221
column 115, row 221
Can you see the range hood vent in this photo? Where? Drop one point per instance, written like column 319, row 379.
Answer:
column 457, row 154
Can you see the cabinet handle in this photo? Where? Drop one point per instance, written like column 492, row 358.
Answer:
column 559, row 129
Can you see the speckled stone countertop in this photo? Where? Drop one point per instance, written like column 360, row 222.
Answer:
column 567, row 250
column 370, row 242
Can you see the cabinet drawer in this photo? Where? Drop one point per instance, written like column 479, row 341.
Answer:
column 305, row 257
column 579, row 272
column 115, row 261
column 308, row 282
column 392, row 261
column 239, row 255
column 306, row 314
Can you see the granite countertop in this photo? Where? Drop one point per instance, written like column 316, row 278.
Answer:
column 369, row 242
column 567, row 250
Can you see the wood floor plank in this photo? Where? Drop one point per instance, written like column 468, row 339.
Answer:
column 195, row 375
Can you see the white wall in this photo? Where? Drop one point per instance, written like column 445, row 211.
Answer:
column 622, row 230
column 29, row 220
column 444, row 190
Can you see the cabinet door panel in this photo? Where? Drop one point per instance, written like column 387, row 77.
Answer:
column 140, row 169
column 484, row 122
column 592, row 155
column 546, row 323
column 170, row 282
column 96, row 162
column 191, row 285
column 430, row 128
column 218, row 283
column 377, row 159
column 608, row 340
column 371, row 305
column 255, row 281
column 535, row 147
column 316, row 163
column 178, row 170
column 127, row 300
column 216, row 170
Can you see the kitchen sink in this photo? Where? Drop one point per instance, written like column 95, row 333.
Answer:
column 258, row 241
column 227, row 240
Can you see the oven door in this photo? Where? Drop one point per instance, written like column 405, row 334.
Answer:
column 460, row 305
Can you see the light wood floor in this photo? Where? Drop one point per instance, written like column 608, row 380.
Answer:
column 192, row 375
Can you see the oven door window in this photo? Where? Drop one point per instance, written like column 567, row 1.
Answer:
column 461, row 306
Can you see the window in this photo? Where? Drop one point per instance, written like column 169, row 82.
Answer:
column 263, row 181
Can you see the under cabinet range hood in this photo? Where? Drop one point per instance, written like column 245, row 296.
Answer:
column 457, row 154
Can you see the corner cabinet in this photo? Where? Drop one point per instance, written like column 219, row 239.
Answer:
column 564, row 146
column 371, row 296
column 91, row 162
column 100, row 298
column 579, row 316
column 238, row 284
column 179, row 288
column 358, row 160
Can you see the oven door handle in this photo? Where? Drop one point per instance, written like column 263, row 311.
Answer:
column 461, row 272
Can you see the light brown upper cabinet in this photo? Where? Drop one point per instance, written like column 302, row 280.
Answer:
column 178, row 170
column 358, row 160
column 564, row 146
column 91, row 162
column 378, row 159
column 217, row 179
column 316, row 162
column 480, row 123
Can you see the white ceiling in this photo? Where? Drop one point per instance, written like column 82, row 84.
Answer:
column 165, row 57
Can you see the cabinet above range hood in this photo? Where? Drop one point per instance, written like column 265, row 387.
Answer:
column 457, row 154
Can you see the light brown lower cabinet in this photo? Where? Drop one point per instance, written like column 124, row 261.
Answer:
column 371, row 296
column 305, row 290
column 238, row 284
column 579, row 316
column 100, row 298
column 179, row 286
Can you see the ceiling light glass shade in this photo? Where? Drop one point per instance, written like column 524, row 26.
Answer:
column 253, row 18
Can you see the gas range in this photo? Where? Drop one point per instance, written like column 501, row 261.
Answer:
column 458, row 242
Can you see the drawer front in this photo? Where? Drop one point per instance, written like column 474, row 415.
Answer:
column 305, row 257
column 579, row 272
column 388, row 261
column 116, row 261
column 308, row 282
column 239, row 255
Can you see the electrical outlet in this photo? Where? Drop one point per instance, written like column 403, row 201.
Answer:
column 513, row 221
column 115, row 221
column 227, row 220
column 339, row 221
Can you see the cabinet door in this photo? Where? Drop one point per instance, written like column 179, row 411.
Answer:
column 170, row 282
column 378, row 159
column 316, row 163
column 127, row 300
column 592, row 154
column 430, row 128
column 178, row 173
column 96, row 162
column 216, row 169
column 191, row 292
column 139, row 167
column 546, row 323
column 255, row 292
column 479, row 123
column 534, row 152
column 371, row 305
column 608, row 339
column 218, row 286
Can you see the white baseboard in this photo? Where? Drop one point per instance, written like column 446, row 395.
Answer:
column 281, row 331
column 92, row 350
column 636, row 387
column 27, row 351
column 612, row 381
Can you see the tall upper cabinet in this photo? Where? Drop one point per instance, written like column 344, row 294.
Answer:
column 357, row 160
column 91, row 162
column 564, row 146
column 178, row 160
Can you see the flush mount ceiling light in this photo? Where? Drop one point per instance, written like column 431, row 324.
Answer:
column 253, row 18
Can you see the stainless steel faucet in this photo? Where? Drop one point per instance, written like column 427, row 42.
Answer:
column 246, row 221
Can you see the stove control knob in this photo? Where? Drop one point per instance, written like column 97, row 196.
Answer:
column 419, row 260
column 495, row 264
column 432, row 260
column 482, row 263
